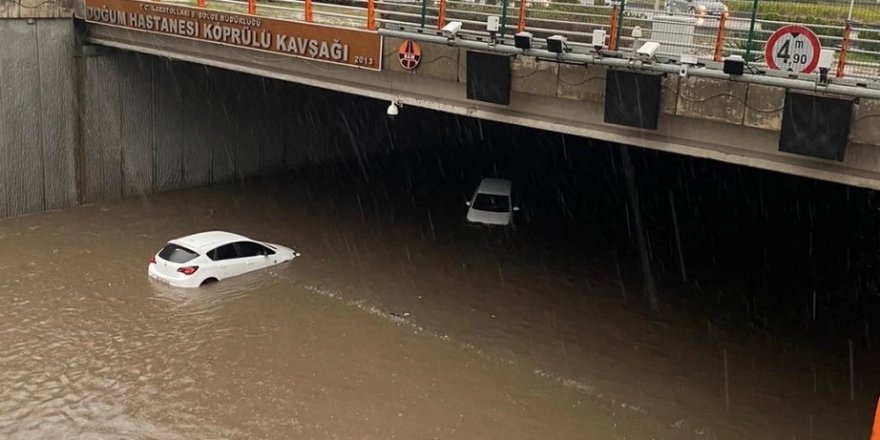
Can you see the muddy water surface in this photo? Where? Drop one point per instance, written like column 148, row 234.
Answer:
column 390, row 326
column 90, row 348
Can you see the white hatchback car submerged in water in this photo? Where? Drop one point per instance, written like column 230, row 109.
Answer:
column 213, row 256
column 491, row 204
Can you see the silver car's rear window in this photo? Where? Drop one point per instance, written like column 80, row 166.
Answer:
column 177, row 254
column 492, row 203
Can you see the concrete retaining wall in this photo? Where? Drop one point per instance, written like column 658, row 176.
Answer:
column 38, row 114
column 36, row 9
column 151, row 124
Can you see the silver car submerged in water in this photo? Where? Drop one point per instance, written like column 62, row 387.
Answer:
column 491, row 203
column 697, row 7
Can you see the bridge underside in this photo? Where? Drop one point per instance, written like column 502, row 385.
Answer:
column 735, row 123
column 125, row 123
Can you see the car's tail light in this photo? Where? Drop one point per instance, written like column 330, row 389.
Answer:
column 188, row 270
column 153, row 259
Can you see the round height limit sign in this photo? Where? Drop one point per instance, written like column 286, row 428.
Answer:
column 793, row 48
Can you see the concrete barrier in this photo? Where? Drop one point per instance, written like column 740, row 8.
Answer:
column 764, row 107
column 712, row 99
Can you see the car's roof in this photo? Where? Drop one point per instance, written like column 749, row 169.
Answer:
column 205, row 241
column 495, row 186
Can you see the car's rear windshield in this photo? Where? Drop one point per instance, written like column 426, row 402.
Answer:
column 492, row 203
column 177, row 254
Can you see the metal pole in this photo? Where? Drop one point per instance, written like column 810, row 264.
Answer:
column 441, row 15
column 503, row 17
column 844, row 49
column 751, row 31
column 371, row 15
column 849, row 15
column 620, row 19
column 719, row 38
column 521, row 24
column 613, row 35
column 425, row 10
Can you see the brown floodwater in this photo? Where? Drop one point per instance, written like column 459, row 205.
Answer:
column 381, row 330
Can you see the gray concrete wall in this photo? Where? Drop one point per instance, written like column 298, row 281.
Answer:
column 38, row 103
column 151, row 124
column 37, row 8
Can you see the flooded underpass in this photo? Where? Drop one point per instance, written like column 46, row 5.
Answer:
column 400, row 320
column 97, row 351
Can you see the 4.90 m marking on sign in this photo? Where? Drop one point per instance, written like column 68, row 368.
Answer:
column 793, row 48
column 799, row 57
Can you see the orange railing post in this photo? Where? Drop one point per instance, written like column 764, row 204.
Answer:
column 308, row 11
column 371, row 15
column 875, row 429
column 252, row 7
column 521, row 24
column 612, row 37
column 441, row 15
column 844, row 49
column 719, row 39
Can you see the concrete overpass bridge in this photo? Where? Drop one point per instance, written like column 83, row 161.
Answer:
column 128, row 121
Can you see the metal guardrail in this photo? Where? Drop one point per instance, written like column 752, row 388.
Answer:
column 851, row 29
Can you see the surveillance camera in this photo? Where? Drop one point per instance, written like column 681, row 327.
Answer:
column 557, row 44
column 392, row 110
column 689, row 59
column 493, row 23
column 826, row 58
column 636, row 32
column 648, row 49
column 734, row 65
column 523, row 40
column 451, row 29
column 599, row 36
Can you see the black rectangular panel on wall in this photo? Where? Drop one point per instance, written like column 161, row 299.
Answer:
column 815, row 126
column 488, row 77
column 632, row 99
